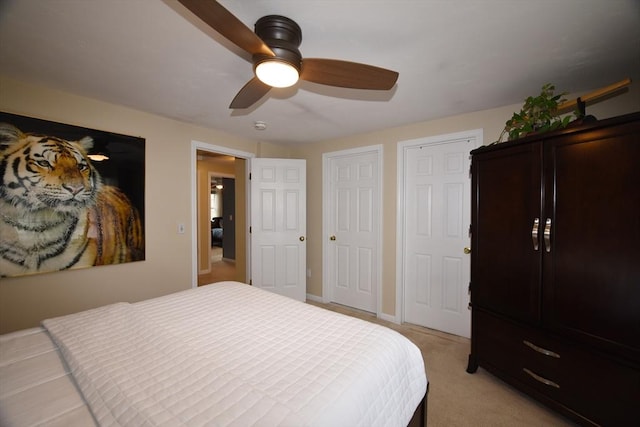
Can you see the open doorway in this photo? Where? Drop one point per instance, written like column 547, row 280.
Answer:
column 213, row 166
column 222, row 219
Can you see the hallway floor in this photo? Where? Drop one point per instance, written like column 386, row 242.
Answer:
column 221, row 269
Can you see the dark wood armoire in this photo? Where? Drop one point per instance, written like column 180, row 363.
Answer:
column 555, row 268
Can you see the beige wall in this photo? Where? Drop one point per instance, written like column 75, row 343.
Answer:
column 491, row 121
column 24, row 301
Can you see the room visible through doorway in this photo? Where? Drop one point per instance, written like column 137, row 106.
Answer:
column 217, row 218
column 222, row 259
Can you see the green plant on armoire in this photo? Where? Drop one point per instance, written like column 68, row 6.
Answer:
column 538, row 114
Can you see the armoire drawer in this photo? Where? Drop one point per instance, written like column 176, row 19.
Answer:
column 498, row 343
column 602, row 390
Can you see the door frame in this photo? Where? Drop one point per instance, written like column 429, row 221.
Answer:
column 326, row 160
column 203, row 146
column 403, row 146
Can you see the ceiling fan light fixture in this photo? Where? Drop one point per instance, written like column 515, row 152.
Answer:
column 277, row 73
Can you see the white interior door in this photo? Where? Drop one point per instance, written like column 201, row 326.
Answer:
column 353, row 226
column 278, row 226
column 436, row 217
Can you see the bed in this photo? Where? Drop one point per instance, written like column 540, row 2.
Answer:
column 226, row 354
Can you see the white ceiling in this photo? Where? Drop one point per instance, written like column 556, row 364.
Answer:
column 453, row 56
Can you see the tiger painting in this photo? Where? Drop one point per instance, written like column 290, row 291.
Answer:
column 55, row 211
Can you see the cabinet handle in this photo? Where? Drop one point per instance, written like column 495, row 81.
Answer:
column 547, row 235
column 541, row 379
column 541, row 350
column 534, row 233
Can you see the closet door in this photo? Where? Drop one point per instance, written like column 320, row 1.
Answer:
column 506, row 202
column 592, row 267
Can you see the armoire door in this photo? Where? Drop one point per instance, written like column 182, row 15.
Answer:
column 592, row 267
column 507, row 225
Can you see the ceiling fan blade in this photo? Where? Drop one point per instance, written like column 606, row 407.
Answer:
column 250, row 93
column 224, row 22
column 347, row 74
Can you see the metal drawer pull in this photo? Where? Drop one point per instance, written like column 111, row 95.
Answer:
column 534, row 233
column 541, row 350
column 547, row 235
column 541, row 379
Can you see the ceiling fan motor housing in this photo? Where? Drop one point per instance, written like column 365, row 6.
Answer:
column 283, row 36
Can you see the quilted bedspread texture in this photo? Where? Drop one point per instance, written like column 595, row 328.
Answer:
column 229, row 354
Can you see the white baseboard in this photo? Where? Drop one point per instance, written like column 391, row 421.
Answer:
column 314, row 298
column 389, row 318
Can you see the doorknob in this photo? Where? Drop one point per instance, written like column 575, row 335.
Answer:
column 467, row 250
column 332, row 238
column 302, row 238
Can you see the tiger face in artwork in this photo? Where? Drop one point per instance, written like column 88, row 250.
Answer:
column 55, row 212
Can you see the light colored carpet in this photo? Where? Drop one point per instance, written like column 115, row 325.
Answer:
column 221, row 269
column 457, row 398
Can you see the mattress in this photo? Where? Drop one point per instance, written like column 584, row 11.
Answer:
column 229, row 354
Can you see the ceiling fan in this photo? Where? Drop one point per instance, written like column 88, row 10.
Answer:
column 277, row 62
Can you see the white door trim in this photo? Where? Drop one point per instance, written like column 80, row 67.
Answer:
column 326, row 160
column 403, row 146
column 203, row 146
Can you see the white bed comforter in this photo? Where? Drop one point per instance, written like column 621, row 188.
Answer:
column 231, row 355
